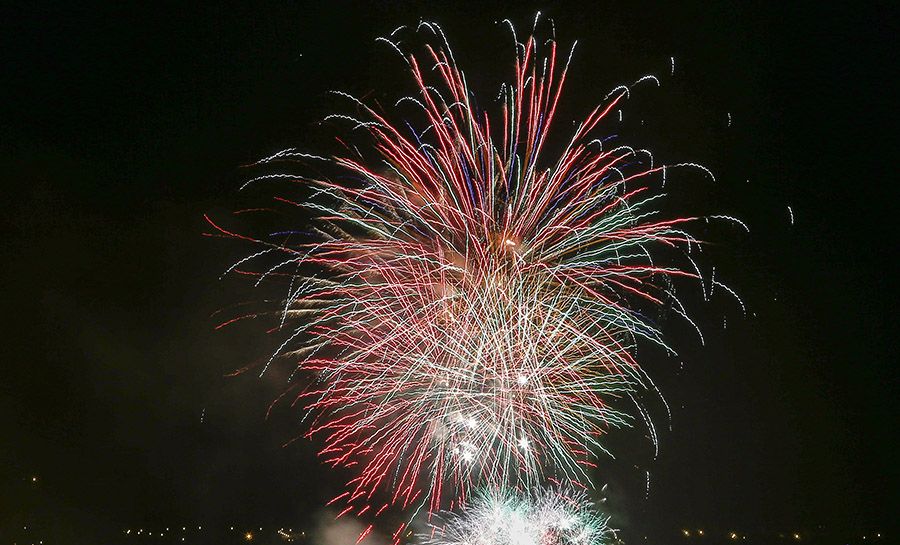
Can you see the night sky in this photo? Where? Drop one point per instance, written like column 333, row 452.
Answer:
column 121, row 127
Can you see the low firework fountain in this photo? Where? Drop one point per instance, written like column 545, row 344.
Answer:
column 544, row 517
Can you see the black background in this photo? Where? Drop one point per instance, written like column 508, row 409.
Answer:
column 122, row 126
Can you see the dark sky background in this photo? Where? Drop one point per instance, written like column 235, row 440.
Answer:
column 121, row 127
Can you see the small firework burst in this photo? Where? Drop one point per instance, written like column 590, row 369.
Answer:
column 544, row 517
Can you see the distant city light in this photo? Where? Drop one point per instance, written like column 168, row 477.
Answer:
column 288, row 534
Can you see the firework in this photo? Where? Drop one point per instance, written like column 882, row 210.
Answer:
column 469, row 305
column 545, row 517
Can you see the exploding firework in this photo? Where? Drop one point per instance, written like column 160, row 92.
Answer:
column 468, row 306
column 545, row 517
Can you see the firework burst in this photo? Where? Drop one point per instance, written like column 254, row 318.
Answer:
column 545, row 517
column 469, row 305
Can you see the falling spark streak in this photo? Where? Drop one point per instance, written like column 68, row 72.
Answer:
column 468, row 309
